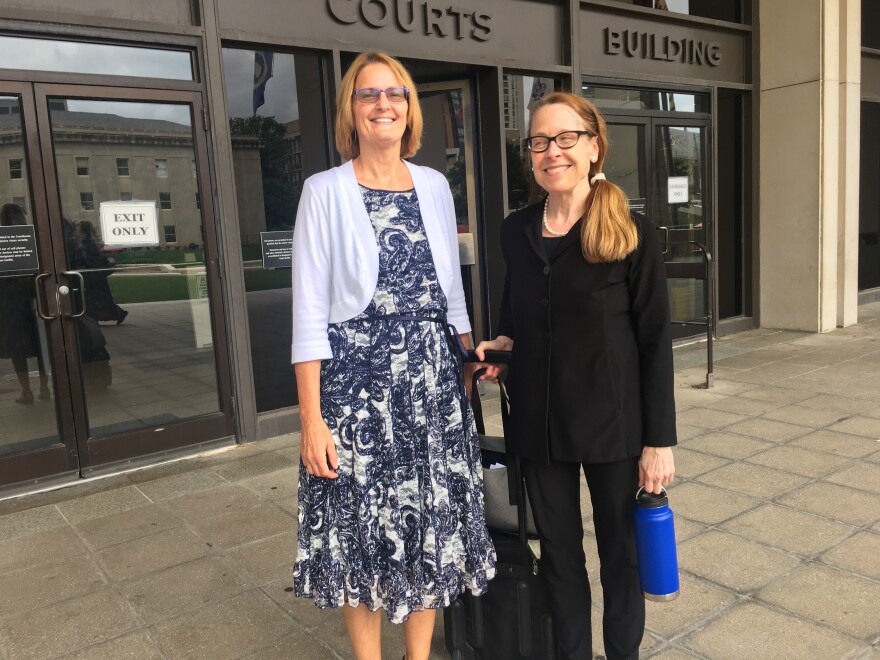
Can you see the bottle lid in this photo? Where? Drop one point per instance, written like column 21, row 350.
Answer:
column 651, row 500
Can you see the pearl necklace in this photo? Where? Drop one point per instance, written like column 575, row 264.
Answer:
column 547, row 226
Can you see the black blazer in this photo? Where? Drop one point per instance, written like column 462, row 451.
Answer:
column 591, row 375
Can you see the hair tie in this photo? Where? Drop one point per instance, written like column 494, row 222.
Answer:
column 597, row 177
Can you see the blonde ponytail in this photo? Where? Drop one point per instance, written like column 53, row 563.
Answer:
column 608, row 232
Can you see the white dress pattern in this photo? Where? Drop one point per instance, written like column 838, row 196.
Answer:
column 402, row 527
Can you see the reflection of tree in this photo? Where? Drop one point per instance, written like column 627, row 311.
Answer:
column 457, row 176
column 280, row 199
column 280, row 194
column 517, row 183
column 682, row 165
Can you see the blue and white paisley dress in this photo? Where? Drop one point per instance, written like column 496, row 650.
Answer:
column 402, row 527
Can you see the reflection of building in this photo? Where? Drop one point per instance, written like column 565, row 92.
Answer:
column 249, row 187
column 293, row 166
column 520, row 95
column 267, row 158
column 513, row 105
column 104, row 157
column 13, row 182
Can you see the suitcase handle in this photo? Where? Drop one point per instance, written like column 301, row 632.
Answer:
column 492, row 357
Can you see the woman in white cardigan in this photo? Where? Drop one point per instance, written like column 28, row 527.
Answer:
column 390, row 497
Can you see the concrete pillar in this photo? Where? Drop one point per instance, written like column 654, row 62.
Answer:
column 807, row 275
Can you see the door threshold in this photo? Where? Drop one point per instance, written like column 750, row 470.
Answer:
column 90, row 476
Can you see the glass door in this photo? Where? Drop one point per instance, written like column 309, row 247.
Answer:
column 125, row 176
column 448, row 147
column 110, row 285
column 661, row 164
column 681, row 209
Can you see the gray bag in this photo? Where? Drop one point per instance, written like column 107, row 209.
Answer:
column 501, row 514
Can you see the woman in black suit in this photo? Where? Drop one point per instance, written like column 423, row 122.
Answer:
column 585, row 313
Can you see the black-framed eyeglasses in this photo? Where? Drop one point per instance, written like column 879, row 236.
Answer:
column 371, row 94
column 564, row 140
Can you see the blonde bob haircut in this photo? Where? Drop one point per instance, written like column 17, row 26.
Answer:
column 608, row 232
column 346, row 136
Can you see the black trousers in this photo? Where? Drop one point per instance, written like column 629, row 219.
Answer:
column 554, row 492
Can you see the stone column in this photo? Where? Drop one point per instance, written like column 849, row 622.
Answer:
column 808, row 205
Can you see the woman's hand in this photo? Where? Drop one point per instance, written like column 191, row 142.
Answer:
column 656, row 468
column 500, row 343
column 317, row 449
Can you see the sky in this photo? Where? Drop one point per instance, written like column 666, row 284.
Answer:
column 72, row 57
column 178, row 113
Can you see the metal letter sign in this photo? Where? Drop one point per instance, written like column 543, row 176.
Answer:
column 647, row 45
column 432, row 18
column 129, row 224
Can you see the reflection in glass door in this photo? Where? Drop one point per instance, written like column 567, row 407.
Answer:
column 130, row 216
column 279, row 139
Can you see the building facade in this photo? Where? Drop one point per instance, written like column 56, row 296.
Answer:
column 152, row 157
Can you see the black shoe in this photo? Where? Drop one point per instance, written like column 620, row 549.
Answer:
column 121, row 317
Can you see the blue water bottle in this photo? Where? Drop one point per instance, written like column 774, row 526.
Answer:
column 655, row 545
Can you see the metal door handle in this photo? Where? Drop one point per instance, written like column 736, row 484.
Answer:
column 82, row 292
column 666, row 239
column 39, row 299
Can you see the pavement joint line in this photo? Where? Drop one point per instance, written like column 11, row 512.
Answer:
column 147, row 497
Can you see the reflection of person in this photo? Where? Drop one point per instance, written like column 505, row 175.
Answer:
column 390, row 504
column 19, row 339
column 97, row 269
column 585, row 313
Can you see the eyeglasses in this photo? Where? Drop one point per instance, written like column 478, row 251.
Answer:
column 371, row 94
column 564, row 140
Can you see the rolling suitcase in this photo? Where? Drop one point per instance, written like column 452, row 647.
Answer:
column 512, row 619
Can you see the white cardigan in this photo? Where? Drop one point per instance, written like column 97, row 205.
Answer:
column 336, row 256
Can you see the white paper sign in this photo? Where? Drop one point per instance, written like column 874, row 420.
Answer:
column 197, row 285
column 129, row 224
column 677, row 190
